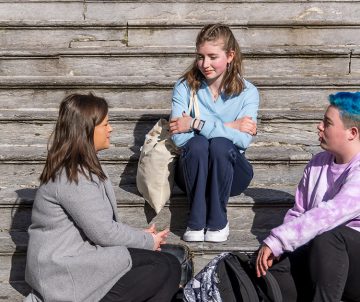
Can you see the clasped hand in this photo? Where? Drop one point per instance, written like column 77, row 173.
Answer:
column 159, row 237
column 182, row 124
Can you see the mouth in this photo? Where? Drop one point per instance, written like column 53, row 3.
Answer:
column 208, row 71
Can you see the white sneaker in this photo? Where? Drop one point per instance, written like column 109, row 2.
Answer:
column 217, row 235
column 192, row 235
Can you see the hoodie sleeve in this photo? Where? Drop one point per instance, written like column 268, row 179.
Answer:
column 303, row 227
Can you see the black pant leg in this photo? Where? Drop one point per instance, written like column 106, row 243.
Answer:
column 335, row 265
column 154, row 276
column 293, row 275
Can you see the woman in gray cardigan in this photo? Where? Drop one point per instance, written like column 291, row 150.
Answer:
column 78, row 249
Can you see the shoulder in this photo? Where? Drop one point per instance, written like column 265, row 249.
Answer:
column 181, row 84
column 249, row 94
column 249, row 89
column 318, row 161
column 249, row 86
column 321, row 158
column 83, row 186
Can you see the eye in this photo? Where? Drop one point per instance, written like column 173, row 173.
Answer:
column 199, row 57
column 213, row 57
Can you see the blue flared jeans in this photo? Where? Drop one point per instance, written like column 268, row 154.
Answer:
column 210, row 171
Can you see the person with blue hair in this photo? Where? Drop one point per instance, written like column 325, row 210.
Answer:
column 315, row 251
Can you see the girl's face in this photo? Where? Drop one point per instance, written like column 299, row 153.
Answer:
column 102, row 135
column 333, row 135
column 212, row 60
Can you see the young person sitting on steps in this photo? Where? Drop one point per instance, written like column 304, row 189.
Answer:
column 314, row 254
column 78, row 248
column 212, row 165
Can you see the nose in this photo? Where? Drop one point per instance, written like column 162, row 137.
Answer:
column 206, row 63
column 320, row 126
column 110, row 129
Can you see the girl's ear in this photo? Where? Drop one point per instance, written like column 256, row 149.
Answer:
column 230, row 56
column 354, row 133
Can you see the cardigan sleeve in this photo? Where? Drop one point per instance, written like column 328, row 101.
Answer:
column 180, row 104
column 93, row 214
column 344, row 207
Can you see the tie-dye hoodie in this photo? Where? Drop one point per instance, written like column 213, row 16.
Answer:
column 328, row 195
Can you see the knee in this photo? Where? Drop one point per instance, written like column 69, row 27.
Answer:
column 196, row 147
column 171, row 267
column 327, row 241
column 221, row 148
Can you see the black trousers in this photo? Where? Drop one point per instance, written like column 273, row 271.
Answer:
column 154, row 277
column 327, row 269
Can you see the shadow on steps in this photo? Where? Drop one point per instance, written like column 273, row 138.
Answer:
column 21, row 220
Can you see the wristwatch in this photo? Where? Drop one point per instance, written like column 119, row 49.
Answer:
column 197, row 124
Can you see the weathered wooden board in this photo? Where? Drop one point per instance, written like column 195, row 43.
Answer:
column 168, row 66
column 249, row 36
column 143, row 93
column 268, row 153
column 13, row 292
column 257, row 219
column 59, row 37
column 24, row 175
column 12, row 266
column 183, row 12
column 127, row 134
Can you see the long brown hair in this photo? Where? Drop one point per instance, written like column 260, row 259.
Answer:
column 232, row 82
column 72, row 142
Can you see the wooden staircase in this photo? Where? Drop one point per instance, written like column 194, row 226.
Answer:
column 131, row 53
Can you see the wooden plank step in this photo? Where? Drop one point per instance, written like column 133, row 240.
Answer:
column 13, row 248
column 258, row 205
column 18, row 102
column 162, row 82
column 128, row 133
column 180, row 52
column 62, row 34
column 42, row 116
column 14, row 291
column 276, row 153
column 24, row 175
column 152, row 62
column 242, row 12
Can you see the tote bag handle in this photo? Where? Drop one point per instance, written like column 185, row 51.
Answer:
column 194, row 104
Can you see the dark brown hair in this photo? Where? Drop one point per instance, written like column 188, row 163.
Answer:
column 72, row 142
column 232, row 82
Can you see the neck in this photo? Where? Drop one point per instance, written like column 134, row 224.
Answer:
column 348, row 154
column 214, row 84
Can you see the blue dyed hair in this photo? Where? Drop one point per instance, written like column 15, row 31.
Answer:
column 348, row 104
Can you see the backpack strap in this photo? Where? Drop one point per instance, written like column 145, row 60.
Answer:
column 267, row 286
column 234, row 282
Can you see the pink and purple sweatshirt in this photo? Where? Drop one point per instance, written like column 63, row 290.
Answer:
column 327, row 196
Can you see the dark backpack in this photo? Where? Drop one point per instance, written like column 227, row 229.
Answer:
column 238, row 281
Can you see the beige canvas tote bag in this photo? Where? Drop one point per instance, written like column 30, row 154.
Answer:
column 156, row 166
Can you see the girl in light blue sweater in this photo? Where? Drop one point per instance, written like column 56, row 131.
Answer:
column 212, row 166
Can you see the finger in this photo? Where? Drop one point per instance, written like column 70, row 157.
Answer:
column 257, row 266
column 174, row 119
